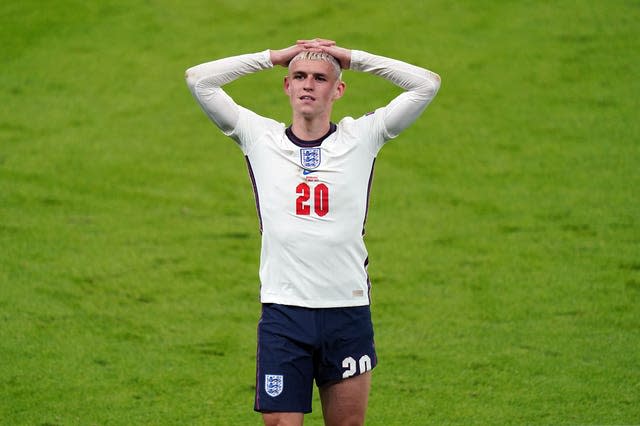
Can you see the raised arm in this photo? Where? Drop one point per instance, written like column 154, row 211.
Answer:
column 205, row 80
column 420, row 85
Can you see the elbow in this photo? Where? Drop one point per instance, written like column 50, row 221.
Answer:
column 435, row 82
column 191, row 78
column 429, row 87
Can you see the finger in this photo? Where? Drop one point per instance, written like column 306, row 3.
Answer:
column 330, row 50
column 317, row 41
column 325, row 41
column 311, row 46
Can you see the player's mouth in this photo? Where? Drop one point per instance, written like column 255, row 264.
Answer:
column 307, row 98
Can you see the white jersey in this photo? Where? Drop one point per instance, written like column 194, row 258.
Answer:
column 312, row 196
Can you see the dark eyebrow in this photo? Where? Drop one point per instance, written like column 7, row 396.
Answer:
column 315, row 74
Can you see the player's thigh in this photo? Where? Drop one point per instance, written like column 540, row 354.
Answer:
column 345, row 402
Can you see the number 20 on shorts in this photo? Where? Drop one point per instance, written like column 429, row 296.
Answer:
column 351, row 366
column 305, row 202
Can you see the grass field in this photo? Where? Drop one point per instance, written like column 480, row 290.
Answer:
column 504, row 226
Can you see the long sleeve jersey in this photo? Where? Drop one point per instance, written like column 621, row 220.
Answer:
column 312, row 196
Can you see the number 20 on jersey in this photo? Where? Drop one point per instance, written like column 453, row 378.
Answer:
column 312, row 198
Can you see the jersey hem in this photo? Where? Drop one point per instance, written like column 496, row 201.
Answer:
column 313, row 304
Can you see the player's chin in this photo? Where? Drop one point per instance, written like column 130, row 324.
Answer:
column 306, row 111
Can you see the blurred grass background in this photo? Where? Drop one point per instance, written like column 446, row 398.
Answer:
column 503, row 230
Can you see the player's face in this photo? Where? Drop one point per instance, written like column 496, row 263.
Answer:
column 312, row 87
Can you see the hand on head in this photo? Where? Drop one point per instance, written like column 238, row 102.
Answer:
column 284, row 56
column 328, row 46
column 315, row 44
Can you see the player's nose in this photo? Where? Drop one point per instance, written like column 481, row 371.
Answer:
column 308, row 83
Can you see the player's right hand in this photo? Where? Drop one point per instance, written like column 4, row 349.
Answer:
column 284, row 56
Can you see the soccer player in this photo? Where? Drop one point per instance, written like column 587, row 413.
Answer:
column 311, row 182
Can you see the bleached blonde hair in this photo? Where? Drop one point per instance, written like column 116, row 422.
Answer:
column 319, row 56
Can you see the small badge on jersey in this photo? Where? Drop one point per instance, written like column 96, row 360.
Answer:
column 273, row 384
column 310, row 157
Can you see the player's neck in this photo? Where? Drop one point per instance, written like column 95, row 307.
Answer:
column 310, row 129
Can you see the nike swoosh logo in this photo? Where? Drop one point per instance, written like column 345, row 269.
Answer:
column 308, row 172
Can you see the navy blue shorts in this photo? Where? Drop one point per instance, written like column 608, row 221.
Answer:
column 299, row 345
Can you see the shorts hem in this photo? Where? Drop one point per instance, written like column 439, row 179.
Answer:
column 265, row 411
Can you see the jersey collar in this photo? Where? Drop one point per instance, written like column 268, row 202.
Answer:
column 309, row 144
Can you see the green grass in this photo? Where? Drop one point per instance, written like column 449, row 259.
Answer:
column 504, row 230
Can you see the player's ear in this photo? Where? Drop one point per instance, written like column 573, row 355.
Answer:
column 340, row 88
column 285, row 84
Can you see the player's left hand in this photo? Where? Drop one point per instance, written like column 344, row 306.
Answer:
column 340, row 53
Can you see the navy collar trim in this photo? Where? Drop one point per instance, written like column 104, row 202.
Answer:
column 309, row 144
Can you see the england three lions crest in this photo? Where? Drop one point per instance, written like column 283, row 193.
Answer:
column 310, row 157
column 273, row 384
